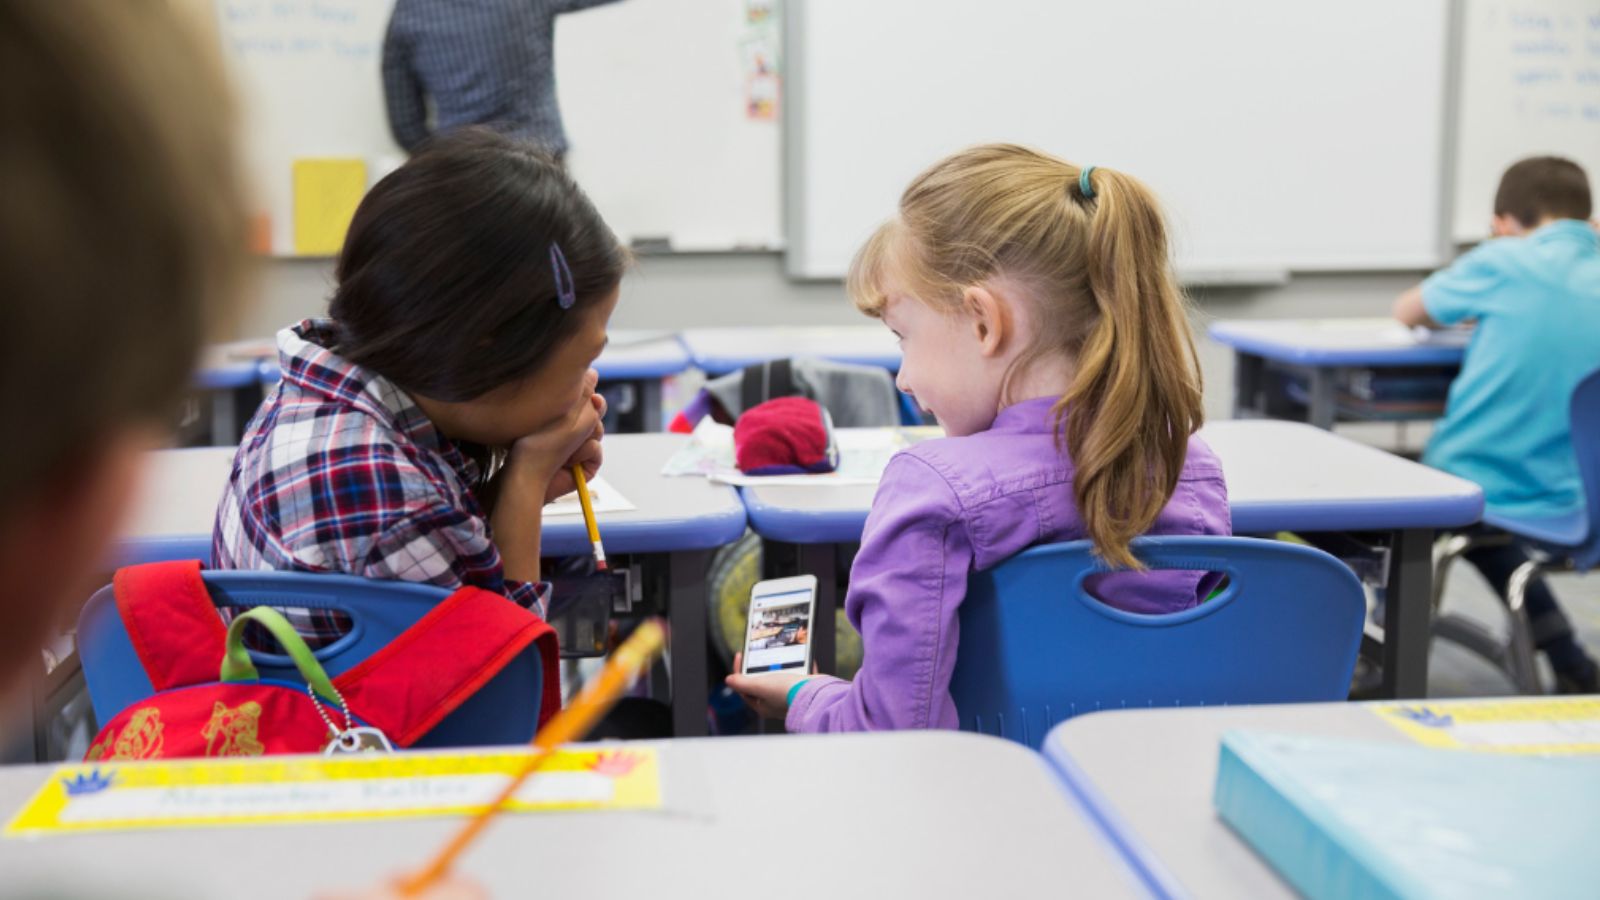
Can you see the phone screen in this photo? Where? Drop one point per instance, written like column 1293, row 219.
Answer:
column 780, row 629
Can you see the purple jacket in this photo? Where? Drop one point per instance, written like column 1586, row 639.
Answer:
column 951, row 506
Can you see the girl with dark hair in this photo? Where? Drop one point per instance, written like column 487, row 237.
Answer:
column 419, row 430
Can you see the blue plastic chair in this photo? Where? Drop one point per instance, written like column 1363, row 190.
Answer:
column 504, row 711
column 1036, row 648
column 1564, row 543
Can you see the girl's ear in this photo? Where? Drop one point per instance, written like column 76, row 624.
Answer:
column 989, row 317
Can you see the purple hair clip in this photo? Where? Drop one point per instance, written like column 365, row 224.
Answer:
column 566, row 292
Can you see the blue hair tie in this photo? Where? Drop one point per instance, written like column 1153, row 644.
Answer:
column 1084, row 187
column 566, row 291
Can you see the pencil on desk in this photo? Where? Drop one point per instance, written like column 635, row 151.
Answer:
column 588, row 517
column 571, row 724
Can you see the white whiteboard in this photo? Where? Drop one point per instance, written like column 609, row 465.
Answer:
column 1530, row 85
column 653, row 96
column 651, row 91
column 309, row 82
column 1280, row 135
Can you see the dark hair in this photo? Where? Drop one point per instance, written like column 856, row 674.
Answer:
column 447, row 283
column 1543, row 187
column 123, row 228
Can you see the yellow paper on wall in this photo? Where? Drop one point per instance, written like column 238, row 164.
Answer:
column 326, row 193
column 293, row 789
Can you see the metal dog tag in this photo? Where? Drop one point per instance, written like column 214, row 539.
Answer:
column 358, row 740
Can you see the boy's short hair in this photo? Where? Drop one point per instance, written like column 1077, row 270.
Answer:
column 122, row 226
column 1543, row 187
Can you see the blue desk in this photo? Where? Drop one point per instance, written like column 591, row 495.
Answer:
column 678, row 523
column 717, row 351
column 920, row 814
column 232, row 377
column 632, row 369
column 1320, row 356
column 1147, row 776
column 1281, row 476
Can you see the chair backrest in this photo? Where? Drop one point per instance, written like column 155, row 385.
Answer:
column 1036, row 648
column 504, row 711
column 1586, row 444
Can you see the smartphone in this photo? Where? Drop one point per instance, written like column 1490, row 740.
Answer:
column 778, row 636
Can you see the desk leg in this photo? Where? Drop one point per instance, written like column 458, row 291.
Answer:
column 1323, row 410
column 1249, row 383
column 224, row 418
column 819, row 560
column 649, row 393
column 686, row 598
column 1408, row 614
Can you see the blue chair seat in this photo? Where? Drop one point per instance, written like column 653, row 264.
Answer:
column 1563, row 534
column 1036, row 648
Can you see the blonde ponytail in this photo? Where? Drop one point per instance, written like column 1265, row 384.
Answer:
column 1136, row 395
column 1095, row 261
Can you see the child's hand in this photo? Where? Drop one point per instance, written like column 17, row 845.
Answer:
column 768, row 695
column 589, row 455
column 545, row 453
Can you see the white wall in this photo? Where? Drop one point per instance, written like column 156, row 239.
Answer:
column 680, row 291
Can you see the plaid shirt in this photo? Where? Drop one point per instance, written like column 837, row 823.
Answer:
column 340, row 471
column 481, row 62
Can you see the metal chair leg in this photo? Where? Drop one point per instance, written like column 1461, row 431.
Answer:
column 1521, row 653
column 1516, row 656
column 1446, row 551
column 1472, row 636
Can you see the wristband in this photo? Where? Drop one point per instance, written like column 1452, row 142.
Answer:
column 795, row 689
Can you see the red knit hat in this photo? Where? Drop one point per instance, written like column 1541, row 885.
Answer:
column 786, row 436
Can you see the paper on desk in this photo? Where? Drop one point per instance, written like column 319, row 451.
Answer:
column 1455, row 336
column 209, row 793
column 604, row 497
column 1532, row 727
column 863, row 454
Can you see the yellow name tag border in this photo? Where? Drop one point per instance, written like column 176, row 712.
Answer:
column 1485, row 712
column 639, row 788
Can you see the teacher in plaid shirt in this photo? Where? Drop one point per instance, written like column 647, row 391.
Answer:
column 418, row 432
column 480, row 62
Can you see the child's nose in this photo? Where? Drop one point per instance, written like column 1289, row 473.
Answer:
column 902, row 383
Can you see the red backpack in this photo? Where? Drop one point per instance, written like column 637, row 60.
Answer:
column 210, row 700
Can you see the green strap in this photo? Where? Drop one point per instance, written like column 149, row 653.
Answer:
column 237, row 665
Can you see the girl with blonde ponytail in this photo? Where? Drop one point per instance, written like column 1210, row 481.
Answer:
column 1041, row 324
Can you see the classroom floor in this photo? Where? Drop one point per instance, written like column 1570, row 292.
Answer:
column 1453, row 672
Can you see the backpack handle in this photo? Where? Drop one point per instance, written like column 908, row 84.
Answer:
column 238, row 666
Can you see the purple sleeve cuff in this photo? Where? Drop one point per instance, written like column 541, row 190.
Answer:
column 803, row 701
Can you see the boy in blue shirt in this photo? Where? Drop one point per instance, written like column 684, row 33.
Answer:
column 1534, row 292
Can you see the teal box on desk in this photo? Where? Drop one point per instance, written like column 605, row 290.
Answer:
column 1348, row 819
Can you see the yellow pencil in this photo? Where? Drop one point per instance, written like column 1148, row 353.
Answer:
column 571, row 724
column 588, row 517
